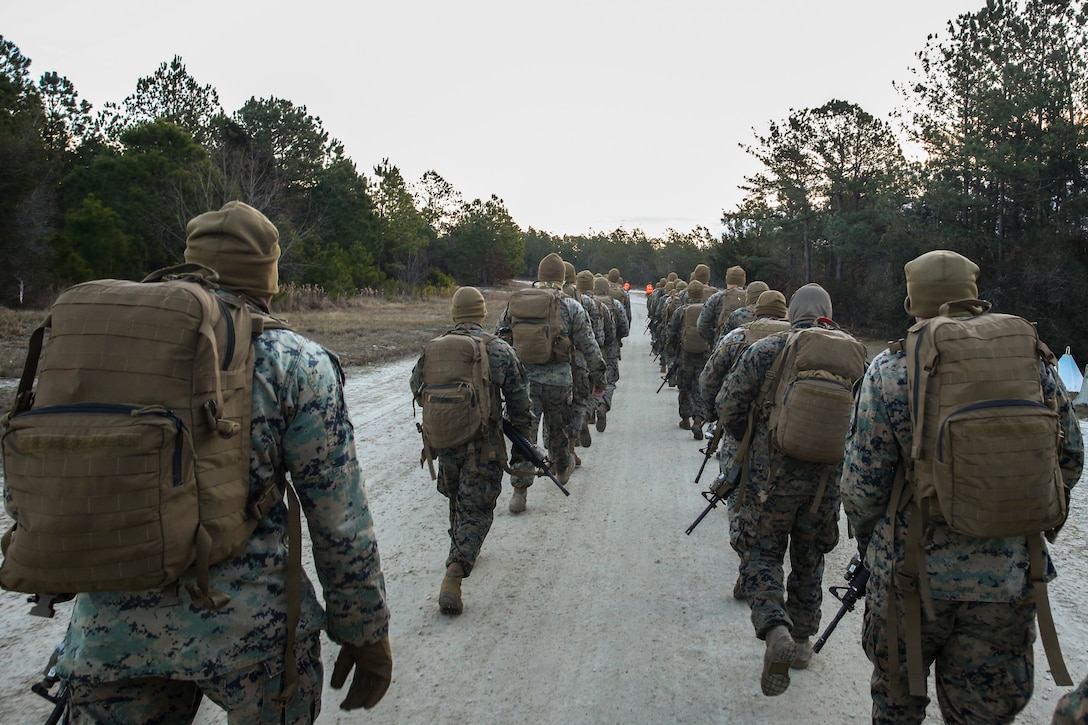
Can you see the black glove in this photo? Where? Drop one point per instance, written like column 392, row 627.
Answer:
column 373, row 664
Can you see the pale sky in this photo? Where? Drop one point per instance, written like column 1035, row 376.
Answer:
column 582, row 115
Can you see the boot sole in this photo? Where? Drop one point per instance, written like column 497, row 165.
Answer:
column 448, row 604
column 776, row 669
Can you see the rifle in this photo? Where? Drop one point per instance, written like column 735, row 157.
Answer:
column 668, row 375
column 45, row 686
column 857, row 574
column 726, row 483
column 531, row 453
column 716, row 432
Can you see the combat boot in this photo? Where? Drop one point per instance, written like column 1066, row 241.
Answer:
column 449, row 596
column 804, row 654
column 517, row 501
column 663, row 368
column 602, row 416
column 573, row 454
column 781, row 650
column 685, row 423
column 585, row 440
column 738, row 591
column 697, row 428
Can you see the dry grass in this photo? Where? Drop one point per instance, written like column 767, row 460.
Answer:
column 369, row 330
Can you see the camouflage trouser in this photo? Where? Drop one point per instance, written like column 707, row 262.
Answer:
column 553, row 404
column 1072, row 709
column 611, row 376
column 472, row 488
column 981, row 652
column 583, row 400
column 248, row 695
column 782, row 521
column 689, row 402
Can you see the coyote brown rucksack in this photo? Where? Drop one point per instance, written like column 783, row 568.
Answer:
column 732, row 299
column 985, row 452
column 690, row 340
column 810, row 389
column 536, row 324
column 456, row 394
column 129, row 463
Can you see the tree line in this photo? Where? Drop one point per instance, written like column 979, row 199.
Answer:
column 994, row 113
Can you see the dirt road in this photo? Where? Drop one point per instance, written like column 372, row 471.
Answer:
column 595, row 608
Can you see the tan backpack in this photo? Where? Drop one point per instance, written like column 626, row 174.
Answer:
column 129, row 463
column 690, row 340
column 732, row 299
column 810, row 388
column 985, row 453
column 456, row 395
column 536, row 324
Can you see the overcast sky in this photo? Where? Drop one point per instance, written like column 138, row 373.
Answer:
column 582, row 115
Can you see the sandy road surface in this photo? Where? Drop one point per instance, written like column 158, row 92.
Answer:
column 590, row 609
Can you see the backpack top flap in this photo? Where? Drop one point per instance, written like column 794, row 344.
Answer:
column 536, row 324
column 732, row 300
column 986, row 445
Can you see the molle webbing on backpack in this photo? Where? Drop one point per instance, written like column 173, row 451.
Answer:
column 690, row 339
column 456, row 395
column 986, row 444
column 810, row 389
column 536, row 324
column 133, row 463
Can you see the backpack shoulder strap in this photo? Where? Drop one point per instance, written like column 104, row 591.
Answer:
column 1047, row 631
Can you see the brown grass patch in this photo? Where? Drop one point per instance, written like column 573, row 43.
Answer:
column 369, row 330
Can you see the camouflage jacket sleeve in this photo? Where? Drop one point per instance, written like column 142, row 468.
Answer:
column 879, row 432
column 623, row 321
column 1072, row 455
column 741, row 388
column 595, row 317
column 718, row 366
column 708, row 318
column 581, row 336
column 508, row 374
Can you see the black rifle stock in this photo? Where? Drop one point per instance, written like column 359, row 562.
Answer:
column 531, row 453
column 716, row 432
column 857, row 574
column 668, row 375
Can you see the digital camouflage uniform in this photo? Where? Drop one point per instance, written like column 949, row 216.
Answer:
column 613, row 351
column 980, row 643
column 550, row 388
column 469, row 481
column 581, row 392
column 725, row 356
column 781, row 492
column 299, row 424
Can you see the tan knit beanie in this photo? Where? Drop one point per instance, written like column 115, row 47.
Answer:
column 672, row 277
column 468, row 305
column 551, row 269
column 681, row 285
column 585, row 281
column 600, row 286
column 695, row 291
column 614, row 275
column 771, row 303
column 670, row 285
column 702, row 273
column 753, row 291
column 239, row 243
column 735, row 275
column 568, row 272
column 937, row 277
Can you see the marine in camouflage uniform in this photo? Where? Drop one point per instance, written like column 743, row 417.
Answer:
column 550, row 384
column 708, row 319
column 615, row 281
column 583, row 401
column 771, row 306
column 980, row 640
column 467, row 476
column 747, row 313
column 689, row 401
column 147, row 656
column 785, row 517
column 611, row 350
